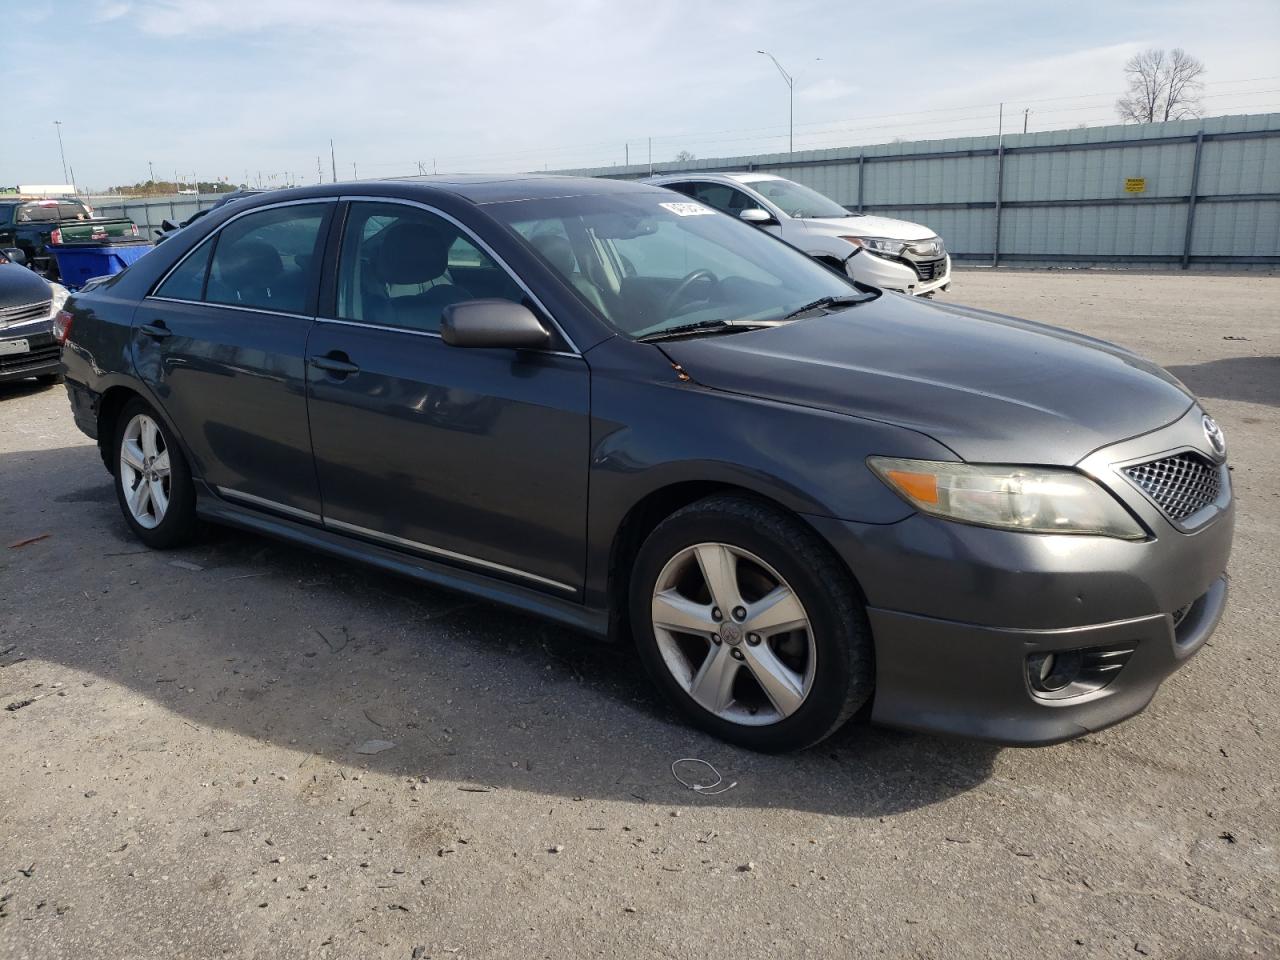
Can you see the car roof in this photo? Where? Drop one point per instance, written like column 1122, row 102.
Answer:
column 476, row 189
column 717, row 176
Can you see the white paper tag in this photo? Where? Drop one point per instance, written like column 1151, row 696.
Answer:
column 687, row 209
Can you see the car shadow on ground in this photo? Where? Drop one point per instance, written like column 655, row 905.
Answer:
column 1251, row 379
column 320, row 656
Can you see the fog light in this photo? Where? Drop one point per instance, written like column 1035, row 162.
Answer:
column 1050, row 672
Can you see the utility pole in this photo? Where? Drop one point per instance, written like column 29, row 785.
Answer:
column 651, row 156
column 151, row 166
column 333, row 162
column 626, row 152
column 319, row 169
column 1025, row 114
column 61, row 152
column 354, row 175
column 1000, row 124
column 791, row 89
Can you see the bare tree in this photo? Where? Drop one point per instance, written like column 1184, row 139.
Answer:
column 1162, row 86
column 684, row 156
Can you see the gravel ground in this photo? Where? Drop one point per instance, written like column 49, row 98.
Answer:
column 187, row 781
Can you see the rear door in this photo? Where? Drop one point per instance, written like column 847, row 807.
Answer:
column 222, row 344
column 472, row 457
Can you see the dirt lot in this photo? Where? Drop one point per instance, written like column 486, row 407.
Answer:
column 187, row 781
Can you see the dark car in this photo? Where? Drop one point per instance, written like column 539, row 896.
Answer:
column 800, row 498
column 28, row 302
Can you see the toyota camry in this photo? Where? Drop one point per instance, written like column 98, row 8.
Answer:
column 801, row 498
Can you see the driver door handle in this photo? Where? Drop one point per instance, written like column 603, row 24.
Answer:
column 156, row 330
column 336, row 363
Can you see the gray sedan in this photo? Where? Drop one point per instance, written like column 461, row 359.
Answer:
column 800, row 498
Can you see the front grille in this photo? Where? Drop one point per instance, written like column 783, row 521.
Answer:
column 1180, row 485
column 14, row 362
column 926, row 270
column 24, row 312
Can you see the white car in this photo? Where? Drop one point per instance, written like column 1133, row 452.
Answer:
column 886, row 253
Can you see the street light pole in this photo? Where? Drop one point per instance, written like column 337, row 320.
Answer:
column 791, row 101
column 62, row 153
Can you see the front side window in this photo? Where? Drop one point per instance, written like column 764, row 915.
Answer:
column 648, row 262
column 401, row 266
column 723, row 198
column 268, row 260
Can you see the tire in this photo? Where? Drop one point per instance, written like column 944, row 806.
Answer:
column 51, row 379
column 827, row 664
column 176, row 523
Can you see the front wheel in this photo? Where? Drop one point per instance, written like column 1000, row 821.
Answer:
column 751, row 626
column 153, row 481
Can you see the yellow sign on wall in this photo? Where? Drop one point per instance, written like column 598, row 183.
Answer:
column 1135, row 184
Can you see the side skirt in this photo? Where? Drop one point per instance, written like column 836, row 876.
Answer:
column 568, row 613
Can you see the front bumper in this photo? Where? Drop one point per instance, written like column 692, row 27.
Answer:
column 957, row 610
column 44, row 356
column 886, row 274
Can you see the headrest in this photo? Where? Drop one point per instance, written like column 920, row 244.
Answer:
column 557, row 251
column 249, row 263
column 413, row 253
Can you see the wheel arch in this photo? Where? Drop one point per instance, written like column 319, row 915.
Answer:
column 650, row 510
column 112, row 401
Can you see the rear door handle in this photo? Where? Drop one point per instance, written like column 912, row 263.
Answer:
column 156, row 330
column 335, row 363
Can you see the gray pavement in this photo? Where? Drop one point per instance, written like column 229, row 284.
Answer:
column 186, row 781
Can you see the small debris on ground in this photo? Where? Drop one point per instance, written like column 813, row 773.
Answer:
column 186, row 565
column 29, row 540
column 374, row 746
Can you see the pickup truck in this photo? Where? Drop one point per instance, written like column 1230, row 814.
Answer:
column 31, row 225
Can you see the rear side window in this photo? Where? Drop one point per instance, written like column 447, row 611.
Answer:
column 38, row 213
column 268, row 260
column 187, row 282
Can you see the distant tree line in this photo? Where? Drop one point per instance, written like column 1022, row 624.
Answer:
column 164, row 188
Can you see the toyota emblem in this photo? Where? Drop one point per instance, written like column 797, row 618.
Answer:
column 1213, row 433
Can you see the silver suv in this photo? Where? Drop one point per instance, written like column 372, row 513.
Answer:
column 886, row 253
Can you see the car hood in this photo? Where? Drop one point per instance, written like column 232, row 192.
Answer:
column 994, row 389
column 19, row 286
column 865, row 225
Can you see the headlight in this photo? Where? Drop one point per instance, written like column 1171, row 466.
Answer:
column 60, row 294
column 1031, row 499
column 879, row 244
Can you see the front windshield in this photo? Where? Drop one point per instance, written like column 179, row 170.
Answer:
column 649, row 262
column 797, row 201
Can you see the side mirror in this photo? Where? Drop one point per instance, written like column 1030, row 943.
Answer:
column 492, row 323
column 15, row 255
column 168, row 225
column 756, row 216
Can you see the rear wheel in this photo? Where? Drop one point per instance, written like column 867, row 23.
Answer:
column 153, row 481
column 749, row 623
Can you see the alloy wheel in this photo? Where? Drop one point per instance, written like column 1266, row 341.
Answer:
column 733, row 634
column 144, row 471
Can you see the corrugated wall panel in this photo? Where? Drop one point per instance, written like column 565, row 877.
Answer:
column 1048, row 191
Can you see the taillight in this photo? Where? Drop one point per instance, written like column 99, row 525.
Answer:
column 62, row 326
column 135, row 229
column 56, row 236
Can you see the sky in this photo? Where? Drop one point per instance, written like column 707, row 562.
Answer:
column 254, row 89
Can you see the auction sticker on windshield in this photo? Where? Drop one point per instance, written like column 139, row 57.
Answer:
column 687, row 209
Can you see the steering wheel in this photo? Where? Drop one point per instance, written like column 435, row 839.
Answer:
column 702, row 273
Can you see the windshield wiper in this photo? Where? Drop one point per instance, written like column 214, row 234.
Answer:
column 844, row 300
column 701, row 326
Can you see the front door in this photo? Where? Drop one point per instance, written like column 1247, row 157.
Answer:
column 472, row 457
column 222, row 344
